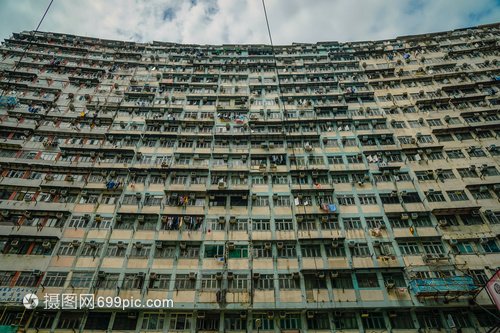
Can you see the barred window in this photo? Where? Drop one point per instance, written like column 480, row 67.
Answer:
column 265, row 282
column 361, row 250
column 351, row 223
column 210, row 282
column 367, row 280
column 287, row 281
column 367, row 199
column 81, row 279
column 409, row 248
column 185, row 282
column 239, row 282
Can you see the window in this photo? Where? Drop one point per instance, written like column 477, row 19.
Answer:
column 287, row 281
column 153, row 321
column 27, row 279
column 433, row 247
column 460, row 319
column 115, row 250
column 454, row 154
column 346, row 321
column 67, row 249
column 409, row 248
column 91, row 249
column 367, row 280
column 283, row 224
column 429, row 319
column 351, row 223
column 291, row 322
column 435, row 196
column 109, row 282
column 140, row 250
column 402, row 320
column 185, row 282
column 55, row 279
column 239, row 251
column 210, row 282
column 132, row 281
column 239, row 282
column 490, row 246
column 214, row 251
column 265, row 282
column 160, row 281
column 375, row 320
column 361, row 250
column 367, row 199
column 458, row 195
column 309, row 251
column 286, row 250
column 180, row 321
column 81, row 279
column 319, row 322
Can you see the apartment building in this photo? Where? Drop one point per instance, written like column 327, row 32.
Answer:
column 328, row 187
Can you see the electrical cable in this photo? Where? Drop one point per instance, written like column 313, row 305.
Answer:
column 285, row 116
column 29, row 43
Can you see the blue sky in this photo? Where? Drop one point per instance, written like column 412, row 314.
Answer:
column 242, row 21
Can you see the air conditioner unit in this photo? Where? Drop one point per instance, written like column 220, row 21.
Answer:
column 36, row 272
column 222, row 185
column 270, row 314
column 443, row 223
column 390, row 283
column 351, row 243
column 230, row 276
column 404, row 216
column 282, row 314
column 483, row 240
column 230, row 246
column 218, row 276
column 280, row 245
column 46, row 245
column 427, row 257
column 138, row 245
column 376, row 243
column 296, row 275
column 268, row 246
column 232, row 220
column 120, row 245
column 453, row 241
column 101, row 274
column 192, row 276
column 14, row 242
column 75, row 243
column 182, row 245
column 310, row 314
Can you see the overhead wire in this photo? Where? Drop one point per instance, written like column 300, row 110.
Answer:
column 285, row 117
column 30, row 42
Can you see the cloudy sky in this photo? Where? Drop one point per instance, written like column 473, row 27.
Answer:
column 242, row 21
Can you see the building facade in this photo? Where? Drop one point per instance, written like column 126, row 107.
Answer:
column 323, row 187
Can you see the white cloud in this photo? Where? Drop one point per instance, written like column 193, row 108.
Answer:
column 242, row 21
